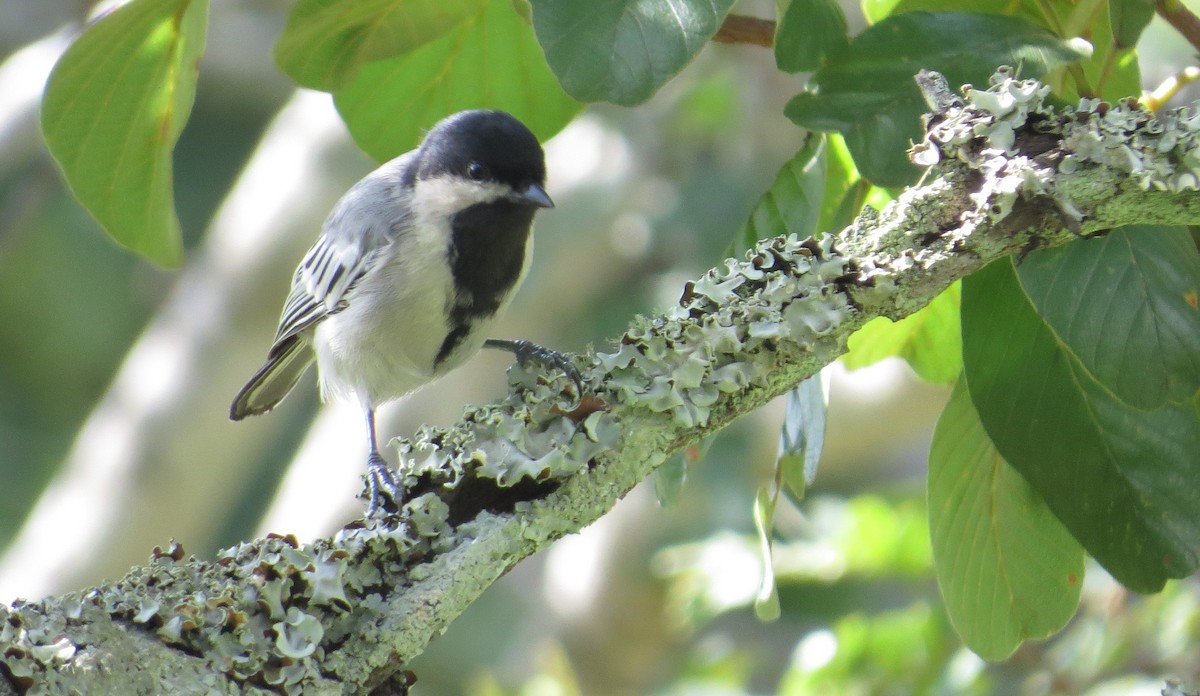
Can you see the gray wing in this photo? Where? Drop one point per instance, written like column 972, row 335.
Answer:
column 362, row 224
column 372, row 215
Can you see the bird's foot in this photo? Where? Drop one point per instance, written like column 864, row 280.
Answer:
column 385, row 489
column 527, row 352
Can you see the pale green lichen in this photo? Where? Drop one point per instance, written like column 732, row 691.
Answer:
column 298, row 635
column 716, row 341
column 1158, row 151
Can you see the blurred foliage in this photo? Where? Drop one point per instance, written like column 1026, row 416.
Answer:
column 859, row 612
column 860, row 617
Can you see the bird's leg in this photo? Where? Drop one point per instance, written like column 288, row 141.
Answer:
column 527, row 352
column 385, row 491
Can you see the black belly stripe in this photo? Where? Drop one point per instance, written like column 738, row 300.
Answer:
column 486, row 254
column 456, row 335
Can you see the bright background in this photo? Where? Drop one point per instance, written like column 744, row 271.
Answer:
column 115, row 381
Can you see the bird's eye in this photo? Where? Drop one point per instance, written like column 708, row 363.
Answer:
column 476, row 171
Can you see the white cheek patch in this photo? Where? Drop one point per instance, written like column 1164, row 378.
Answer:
column 439, row 198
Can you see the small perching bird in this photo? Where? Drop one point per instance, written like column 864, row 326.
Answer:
column 413, row 267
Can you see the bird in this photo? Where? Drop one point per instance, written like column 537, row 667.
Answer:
column 413, row 267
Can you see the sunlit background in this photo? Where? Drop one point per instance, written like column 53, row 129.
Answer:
column 116, row 378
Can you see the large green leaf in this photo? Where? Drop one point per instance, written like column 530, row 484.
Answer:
column 793, row 203
column 325, row 42
column 491, row 60
column 113, row 110
column 930, row 340
column 1125, row 481
column 808, row 31
column 1009, row 571
column 622, row 51
column 867, row 93
column 1125, row 306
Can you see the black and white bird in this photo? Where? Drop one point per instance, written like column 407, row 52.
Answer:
column 414, row 265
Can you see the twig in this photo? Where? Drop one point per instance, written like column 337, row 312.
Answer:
column 1180, row 17
column 1170, row 87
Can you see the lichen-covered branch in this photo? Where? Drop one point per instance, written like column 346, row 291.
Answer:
column 345, row 614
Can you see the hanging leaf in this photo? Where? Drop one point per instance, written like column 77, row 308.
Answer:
column 766, row 601
column 113, row 110
column 802, row 436
column 1008, row 569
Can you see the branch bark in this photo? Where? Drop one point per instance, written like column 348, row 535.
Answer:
column 746, row 30
column 345, row 614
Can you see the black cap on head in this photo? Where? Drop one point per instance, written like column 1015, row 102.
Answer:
column 483, row 145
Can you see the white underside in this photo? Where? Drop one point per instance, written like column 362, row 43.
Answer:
column 383, row 344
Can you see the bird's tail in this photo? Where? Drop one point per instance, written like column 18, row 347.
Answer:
column 286, row 363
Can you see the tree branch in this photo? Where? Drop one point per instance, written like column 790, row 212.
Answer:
column 746, row 30
column 345, row 614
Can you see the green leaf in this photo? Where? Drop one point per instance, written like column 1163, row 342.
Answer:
column 1009, row 571
column 1111, row 72
column 1109, row 77
column 1124, row 481
column 1125, row 306
column 845, row 190
column 1128, row 18
column 807, row 32
column 113, row 110
column 669, row 479
column 930, row 340
column 793, row 202
column 491, row 60
column 802, row 437
column 622, row 51
column 866, row 91
column 766, row 601
column 325, row 42
column 877, row 10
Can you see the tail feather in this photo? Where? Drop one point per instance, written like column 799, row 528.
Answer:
column 286, row 363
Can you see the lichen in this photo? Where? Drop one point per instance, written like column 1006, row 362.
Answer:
column 1158, row 151
column 723, row 334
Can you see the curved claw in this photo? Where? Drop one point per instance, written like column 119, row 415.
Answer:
column 527, row 351
column 385, row 490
